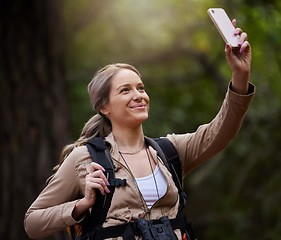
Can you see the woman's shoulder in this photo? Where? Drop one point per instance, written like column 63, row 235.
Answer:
column 82, row 149
column 79, row 155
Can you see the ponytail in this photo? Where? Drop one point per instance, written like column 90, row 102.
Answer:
column 97, row 126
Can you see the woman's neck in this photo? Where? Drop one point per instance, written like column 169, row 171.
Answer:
column 129, row 139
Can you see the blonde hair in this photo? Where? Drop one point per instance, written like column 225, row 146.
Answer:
column 99, row 125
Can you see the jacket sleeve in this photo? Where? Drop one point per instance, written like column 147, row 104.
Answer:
column 209, row 139
column 52, row 210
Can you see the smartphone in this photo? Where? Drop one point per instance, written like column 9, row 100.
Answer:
column 224, row 26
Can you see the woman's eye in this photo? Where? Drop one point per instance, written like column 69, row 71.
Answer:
column 124, row 90
column 141, row 88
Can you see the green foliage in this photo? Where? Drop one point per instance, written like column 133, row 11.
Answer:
column 181, row 58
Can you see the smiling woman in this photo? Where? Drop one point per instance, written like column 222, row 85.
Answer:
column 129, row 103
column 118, row 95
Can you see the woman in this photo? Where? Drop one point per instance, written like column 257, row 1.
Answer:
column 118, row 95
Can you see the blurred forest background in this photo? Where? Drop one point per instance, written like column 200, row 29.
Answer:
column 49, row 51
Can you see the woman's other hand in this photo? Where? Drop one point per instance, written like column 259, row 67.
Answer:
column 239, row 61
column 94, row 180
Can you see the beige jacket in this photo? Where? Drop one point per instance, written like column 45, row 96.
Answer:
column 52, row 210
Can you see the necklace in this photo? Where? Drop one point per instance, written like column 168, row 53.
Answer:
column 133, row 153
column 142, row 200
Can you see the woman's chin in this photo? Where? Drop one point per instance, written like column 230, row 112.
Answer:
column 141, row 118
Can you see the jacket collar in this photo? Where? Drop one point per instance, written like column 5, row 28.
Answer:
column 114, row 151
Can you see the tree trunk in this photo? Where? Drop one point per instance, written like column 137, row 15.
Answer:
column 33, row 107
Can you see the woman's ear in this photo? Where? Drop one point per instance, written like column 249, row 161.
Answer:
column 104, row 111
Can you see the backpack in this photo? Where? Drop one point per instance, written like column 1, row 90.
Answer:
column 91, row 227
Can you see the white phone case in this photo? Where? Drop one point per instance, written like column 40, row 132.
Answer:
column 224, row 26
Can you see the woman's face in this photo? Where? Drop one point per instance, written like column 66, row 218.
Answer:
column 128, row 102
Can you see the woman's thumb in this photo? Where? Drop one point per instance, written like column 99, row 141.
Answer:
column 228, row 53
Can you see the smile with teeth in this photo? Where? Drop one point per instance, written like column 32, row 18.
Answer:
column 138, row 107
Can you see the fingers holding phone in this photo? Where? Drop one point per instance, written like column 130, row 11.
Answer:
column 233, row 37
column 239, row 59
column 237, row 50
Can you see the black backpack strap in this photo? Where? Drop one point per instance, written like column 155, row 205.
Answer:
column 98, row 150
column 169, row 155
column 172, row 158
column 100, row 154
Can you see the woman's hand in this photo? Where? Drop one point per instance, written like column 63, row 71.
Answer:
column 239, row 61
column 94, row 180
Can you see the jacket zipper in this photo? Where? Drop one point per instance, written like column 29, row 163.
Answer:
column 147, row 209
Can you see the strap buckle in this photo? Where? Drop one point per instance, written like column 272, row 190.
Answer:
column 117, row 182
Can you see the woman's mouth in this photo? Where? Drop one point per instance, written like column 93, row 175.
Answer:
column 139, row 107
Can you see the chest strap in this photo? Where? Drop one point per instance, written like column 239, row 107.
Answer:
column 129, row 230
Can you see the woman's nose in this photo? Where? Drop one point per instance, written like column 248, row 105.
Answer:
column 137, row 96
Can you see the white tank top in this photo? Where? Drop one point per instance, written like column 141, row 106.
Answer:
column 148, row 189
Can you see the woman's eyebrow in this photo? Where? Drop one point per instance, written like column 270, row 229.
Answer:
column 128, row 85
column 124, row 85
